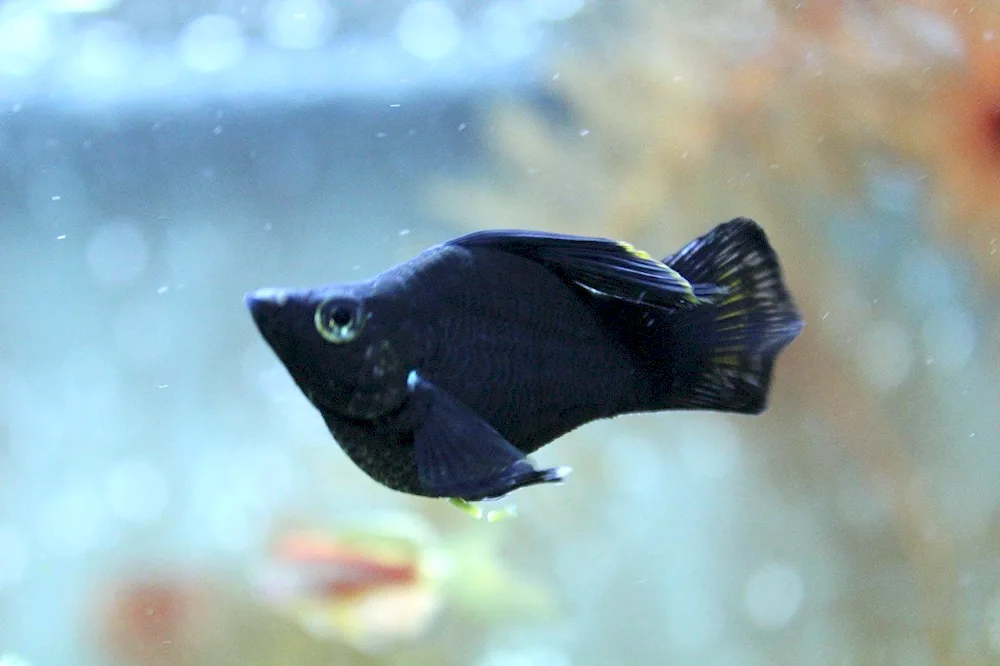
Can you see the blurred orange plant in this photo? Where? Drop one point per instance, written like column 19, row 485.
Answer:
column 738, row 109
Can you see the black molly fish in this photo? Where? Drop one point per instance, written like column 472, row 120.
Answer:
column 439, row 375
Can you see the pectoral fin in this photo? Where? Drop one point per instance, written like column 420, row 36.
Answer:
column 460, row 455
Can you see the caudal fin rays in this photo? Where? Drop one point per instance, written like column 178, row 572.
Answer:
column 721, row 353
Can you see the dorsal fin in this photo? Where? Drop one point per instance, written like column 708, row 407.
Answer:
column 601, row 265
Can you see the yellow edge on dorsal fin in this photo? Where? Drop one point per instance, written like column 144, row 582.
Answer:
column 645, row 256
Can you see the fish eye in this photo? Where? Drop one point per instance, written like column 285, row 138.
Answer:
column 341, row 316
column 339, row 320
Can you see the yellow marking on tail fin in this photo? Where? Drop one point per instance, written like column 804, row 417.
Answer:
column 731, row 349
column 734, row 313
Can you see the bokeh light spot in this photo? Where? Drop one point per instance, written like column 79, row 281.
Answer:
column 57, row 198
column 539, row 656
column 137, row 492
column 773, row 595
column 117, row 253
column 144, row 331
column 299, row 24
column 992, row 623
column 886, row 355
column 108, row 50
column 14, row 558
column 212, row 43
column 80, row 6
column 555, row 10
column 73, row 522
column 428, row 30
column 938, row 34
column 949, row 335
column 709, row 448
column 235, row 526
column 264, row 375
column 11, row 659
column 26, row 39
column 510, row 28
column 196, row 253
column 925, row 278
column 694, row 621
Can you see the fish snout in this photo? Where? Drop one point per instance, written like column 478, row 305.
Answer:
column 265, row 303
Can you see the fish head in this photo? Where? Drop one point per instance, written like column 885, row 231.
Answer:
column 343, row 357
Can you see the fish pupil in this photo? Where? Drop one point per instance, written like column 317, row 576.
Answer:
column 341, row 316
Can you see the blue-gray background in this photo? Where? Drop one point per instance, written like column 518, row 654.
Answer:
column 160, row 158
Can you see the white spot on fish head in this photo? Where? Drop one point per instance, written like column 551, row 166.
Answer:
column 274, row 295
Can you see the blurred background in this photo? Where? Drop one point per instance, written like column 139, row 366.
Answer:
column 168, row 497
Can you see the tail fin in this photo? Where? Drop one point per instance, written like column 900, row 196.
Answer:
column 722, row 352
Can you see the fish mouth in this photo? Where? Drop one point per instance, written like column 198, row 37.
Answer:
column 265, row 303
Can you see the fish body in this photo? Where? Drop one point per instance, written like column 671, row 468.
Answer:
column 438, row 376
